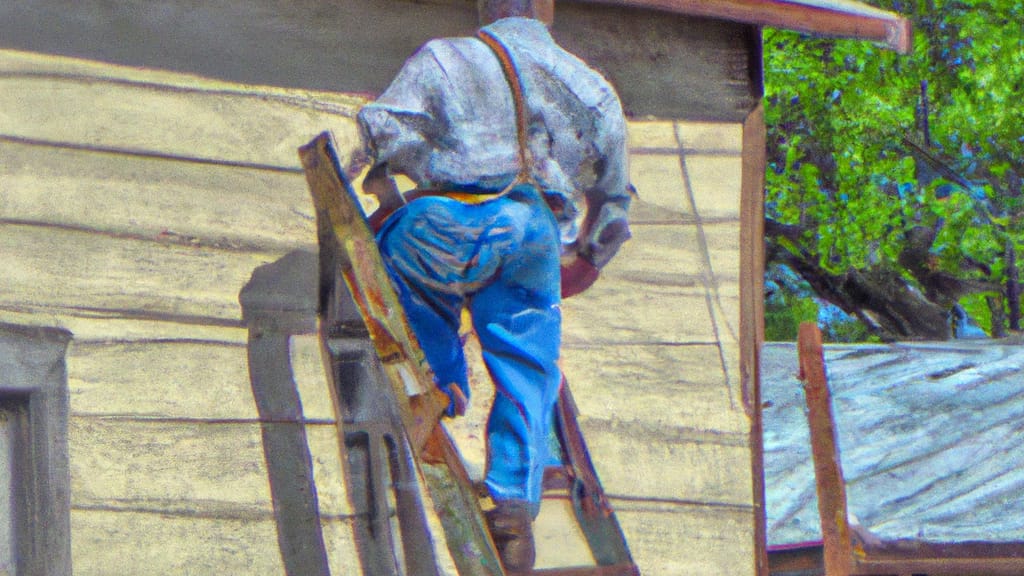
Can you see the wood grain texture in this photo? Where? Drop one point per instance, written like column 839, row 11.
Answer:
column 80, row 272
column 716, row 543
column 204, row 468
column 669, row 386
column 662, row 463
column 186, row 379
column 133, row 543
column 830, row 17
column 828, row 470
column 194, row 122
column 155, row 198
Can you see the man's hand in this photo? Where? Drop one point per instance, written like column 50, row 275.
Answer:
column 377, row 183
column 577, row 276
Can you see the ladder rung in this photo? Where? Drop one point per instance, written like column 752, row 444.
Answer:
column 615, row 570
column 556, row 478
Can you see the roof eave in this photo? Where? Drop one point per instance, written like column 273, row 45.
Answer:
column 844, row 19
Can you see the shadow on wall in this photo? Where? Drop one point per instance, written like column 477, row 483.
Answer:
column 307, row 45
column 278, row 302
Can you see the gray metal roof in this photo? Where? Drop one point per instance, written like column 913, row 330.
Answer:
column 929, row 434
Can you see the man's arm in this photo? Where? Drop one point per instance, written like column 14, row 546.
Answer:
column 606, row 226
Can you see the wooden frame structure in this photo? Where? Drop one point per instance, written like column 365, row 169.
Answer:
column 653, row 50
column 849, row 550
column 392, row 392
column 840, row 18
column 33, row 379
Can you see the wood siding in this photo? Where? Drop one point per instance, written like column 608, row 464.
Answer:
column 136, row 205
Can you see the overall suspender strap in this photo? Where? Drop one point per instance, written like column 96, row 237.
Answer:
column 518, row 99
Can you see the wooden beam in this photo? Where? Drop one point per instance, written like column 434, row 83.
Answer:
column 752, row 313
column 828, row 470
column 835, row 18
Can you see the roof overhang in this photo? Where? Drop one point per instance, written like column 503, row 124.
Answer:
column 838, row 18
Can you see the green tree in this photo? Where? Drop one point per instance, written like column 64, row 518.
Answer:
column 894, row 183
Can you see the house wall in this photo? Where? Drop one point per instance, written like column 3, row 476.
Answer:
column 135, row 206
column 663, row 64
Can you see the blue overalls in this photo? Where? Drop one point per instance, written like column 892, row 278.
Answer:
column 499, row 258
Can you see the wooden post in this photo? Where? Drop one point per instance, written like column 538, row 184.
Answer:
column 752, row 313
column 491, row 10
column 1012, row 284
column 828, row 471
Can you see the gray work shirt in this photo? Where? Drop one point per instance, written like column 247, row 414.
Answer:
column 447, row 121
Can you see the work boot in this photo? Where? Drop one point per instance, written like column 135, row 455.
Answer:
column 511, row 528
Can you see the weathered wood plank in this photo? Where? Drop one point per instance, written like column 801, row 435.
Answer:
column 661, row 189
column 166, row 379
column 654, row 70
column 641, row 461
column 188, row 122
column 655, row 77
column 77, row 271
column 559, row 540
column 215, row 468
column 659, row 255
column 670, row 386
column 711, row 137
column 155, row 198
column 618, row 311
column 843, row 19
column 652, row 292
column 15, row 62
column 723, row 243
column 130, row 543
column 328, row 474
column 705, row 540
column 194, row 466
column 652, row 134
column 90, row 326
column 716, row 185
column 828, row 470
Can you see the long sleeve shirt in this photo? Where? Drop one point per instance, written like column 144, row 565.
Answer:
column 448, row 122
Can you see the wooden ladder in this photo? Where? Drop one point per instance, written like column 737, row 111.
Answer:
column 388, row 408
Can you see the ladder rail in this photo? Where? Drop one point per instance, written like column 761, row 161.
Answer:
column 594, row 512
column 343, row 230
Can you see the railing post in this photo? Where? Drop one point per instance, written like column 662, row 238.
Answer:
column 828, row 470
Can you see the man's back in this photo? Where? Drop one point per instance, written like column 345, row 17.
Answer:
column 448, row 120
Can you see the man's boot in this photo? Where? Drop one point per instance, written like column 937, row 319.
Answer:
column 511, row 528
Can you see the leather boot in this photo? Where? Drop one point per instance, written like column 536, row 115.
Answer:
column 511, row 528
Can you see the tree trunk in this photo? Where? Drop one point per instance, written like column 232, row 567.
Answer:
column 880, row 297
column 1012, row 285
column 998, row 312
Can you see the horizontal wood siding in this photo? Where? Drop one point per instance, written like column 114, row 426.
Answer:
column 135, row 207
column 671, row 67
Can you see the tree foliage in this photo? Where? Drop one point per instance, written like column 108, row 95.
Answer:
column 894, row 184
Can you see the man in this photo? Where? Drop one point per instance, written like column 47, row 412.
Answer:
column 511, row 212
